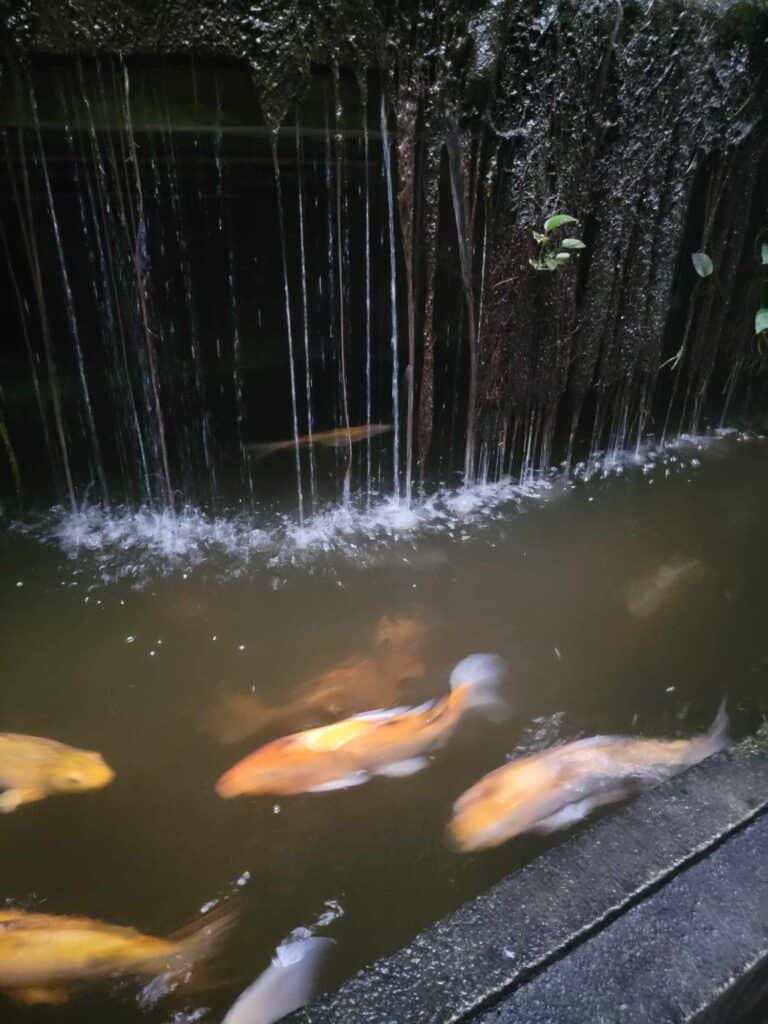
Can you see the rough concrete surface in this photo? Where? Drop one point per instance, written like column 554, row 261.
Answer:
column 673, row 958
column 497, row 941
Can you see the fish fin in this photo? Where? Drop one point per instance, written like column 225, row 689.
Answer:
column 13, row 798
column 479, row 675
column 403, row 709
column 579, row 809
column 197, row 940
column 399, row 769
column 563, row 818
column 288, row 983
column 40, row 996
column 355, row 779
column 381, row 713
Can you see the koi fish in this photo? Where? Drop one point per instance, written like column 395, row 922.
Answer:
column 288, row 983
column 328, row 438
column 649, row 594
column 32, row 768
column 44, row 956
column 555, row 788
column 390, row 742
column 348, row 687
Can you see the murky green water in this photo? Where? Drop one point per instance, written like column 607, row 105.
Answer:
column 563, row 589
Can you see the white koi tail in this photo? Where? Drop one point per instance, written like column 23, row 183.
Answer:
column 480, row 675
column 714, row 739
column 289, row 982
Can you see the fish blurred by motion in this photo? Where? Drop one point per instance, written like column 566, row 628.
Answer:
column 554, row 788
column 390, row 742
column 32, row 768
column 649, row 594
column 288, row 983
column 43, row 957
column 328, row 438
column 349, row 686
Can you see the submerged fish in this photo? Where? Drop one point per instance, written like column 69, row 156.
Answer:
column 330, row 438
column 555, row 788
column 649, row 594
column 44, row 956
column 391, row 742
column 32, row 768
column 288, row 983
column 349, row 686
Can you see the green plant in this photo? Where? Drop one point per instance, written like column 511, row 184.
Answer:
column 761, row 316
column 702, row 263
column 553, row 254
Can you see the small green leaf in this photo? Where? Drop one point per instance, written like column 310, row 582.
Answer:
column 558, row 220
column 551, row 262
column 761, row 321
column 539, row 238
column 536, row 265
column 562, row 257
column 702, row 264
column 764, row 254
column 572, row 243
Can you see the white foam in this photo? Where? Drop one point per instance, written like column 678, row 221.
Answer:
column 140, row 543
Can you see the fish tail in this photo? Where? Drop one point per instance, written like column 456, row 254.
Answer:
column 713, row 740
column 477, row 678
column 200, row 939
column 717, row 734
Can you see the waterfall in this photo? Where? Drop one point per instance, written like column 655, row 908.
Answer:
column 386, row 147
column 155, row 327
column 288, row 323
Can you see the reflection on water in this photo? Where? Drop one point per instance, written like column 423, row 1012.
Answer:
column 95, row 661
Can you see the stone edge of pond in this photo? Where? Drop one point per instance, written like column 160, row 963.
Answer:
column 694, row 952
column 528, row 921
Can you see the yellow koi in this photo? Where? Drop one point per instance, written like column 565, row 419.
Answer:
column 43, row 956
column 32, row 768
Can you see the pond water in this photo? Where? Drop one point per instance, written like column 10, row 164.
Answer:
column 175, row 649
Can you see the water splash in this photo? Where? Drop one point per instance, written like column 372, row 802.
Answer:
column 139, row 544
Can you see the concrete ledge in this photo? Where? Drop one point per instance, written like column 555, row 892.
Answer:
column 580, row 892
column 685, row 954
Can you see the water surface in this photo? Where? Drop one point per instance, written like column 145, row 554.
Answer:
column 135, row 647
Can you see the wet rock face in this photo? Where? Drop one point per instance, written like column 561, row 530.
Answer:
column 644, row 121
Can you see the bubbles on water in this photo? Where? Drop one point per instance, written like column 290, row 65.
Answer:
column 139, row 544
column 130, row 639
column 543, row 731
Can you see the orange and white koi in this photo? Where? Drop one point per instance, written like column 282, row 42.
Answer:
column 391, row 742
column 554, row 788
